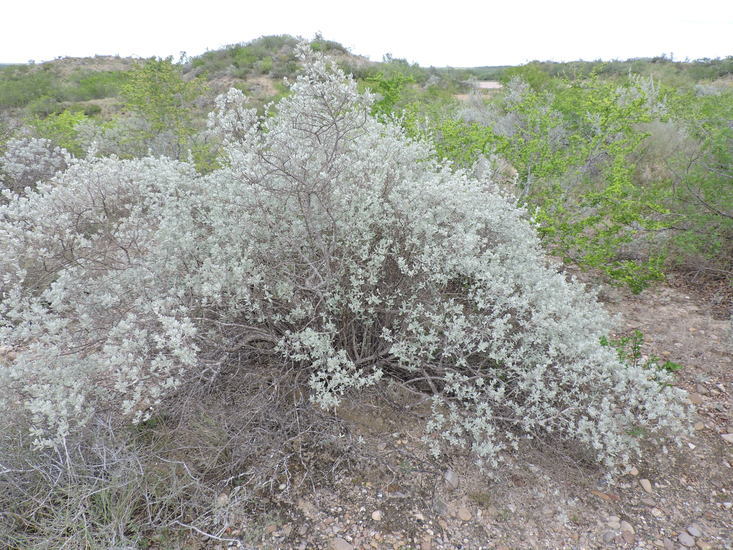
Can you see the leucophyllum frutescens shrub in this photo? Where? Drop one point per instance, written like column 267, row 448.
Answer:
column 331, row 244
column 29, row 160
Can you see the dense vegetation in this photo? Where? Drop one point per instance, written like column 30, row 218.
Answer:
column 221, row 282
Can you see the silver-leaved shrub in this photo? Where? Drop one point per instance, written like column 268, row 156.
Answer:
column 330, row 244
column 27, row 161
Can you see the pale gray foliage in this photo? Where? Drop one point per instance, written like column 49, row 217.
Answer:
column 128, row 137
column 330, row 243
column 27, row 161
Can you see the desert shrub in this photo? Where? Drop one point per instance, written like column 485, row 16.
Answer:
column 61, row 129
column 27, row 161
column 156, row 93
column 19, row 85
column 95, row 85
column 572, row 145
column 330, row 245
column 702, row 183
column 214, row 455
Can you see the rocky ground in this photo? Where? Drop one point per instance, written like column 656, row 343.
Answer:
column 395, row 498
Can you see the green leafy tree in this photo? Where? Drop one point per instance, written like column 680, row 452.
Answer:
column 573, row 151
column 702, row 183
column 390, row 90
column 157, row 92
column 62, row 129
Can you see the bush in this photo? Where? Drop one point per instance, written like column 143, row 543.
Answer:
column 28, row 161
column 331, row 247
column 61, row 129
column 19, row 85
column 95, row 85
column 157, row 93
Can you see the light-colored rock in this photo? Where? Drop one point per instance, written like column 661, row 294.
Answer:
column 441, row 507
column 627, row 527
column 668, row 544
column 695, row 398
column 340, row 544
column 657, row 513
column 614, row 522
column 377, row 515
column 628, row 537
column 694, row 530
column 464, row 514
column 451, row 478
column 646, row 485
column 727, row 437
column 634, row 471
column 686, row 540
column 702, row 545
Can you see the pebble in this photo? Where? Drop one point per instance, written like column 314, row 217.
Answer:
column 686, row 540
column 694, row 530
column 668, row 544
column 628, row 537
column 340, row 544
column 657, row 513
column 646, row 485
column 440, row 507
column 377, row 515
column 608, row 537
column 451, row 478
column 634, row 471
column 695, row 398
column 727, row 437
column 464, row 514
column 702, row 545
column 626, row 527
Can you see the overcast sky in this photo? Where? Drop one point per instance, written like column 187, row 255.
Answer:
column 456, row 33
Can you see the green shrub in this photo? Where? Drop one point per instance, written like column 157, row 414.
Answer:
column 19, row 85
column 95, row 85
column 61, row 129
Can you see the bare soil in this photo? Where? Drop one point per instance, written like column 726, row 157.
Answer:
column 394, row 496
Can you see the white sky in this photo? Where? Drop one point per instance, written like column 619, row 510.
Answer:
column 454, row 32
